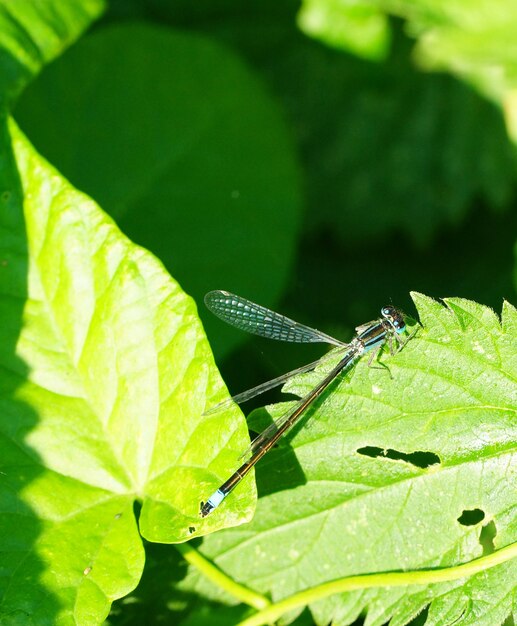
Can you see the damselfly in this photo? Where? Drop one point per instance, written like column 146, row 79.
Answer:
column 259, row 320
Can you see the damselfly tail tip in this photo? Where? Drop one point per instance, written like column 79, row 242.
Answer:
column 213, row 502
column 205, row 508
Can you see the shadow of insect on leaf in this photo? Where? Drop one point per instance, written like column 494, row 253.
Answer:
column 419, row 459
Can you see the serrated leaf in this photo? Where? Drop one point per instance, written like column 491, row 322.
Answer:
column 396, row 473
column 431, row 107
column 105, row 375
column 34, row 33
column 182, row 145
column 390, row 110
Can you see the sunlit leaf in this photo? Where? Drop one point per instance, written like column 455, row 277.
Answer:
column 105, row 374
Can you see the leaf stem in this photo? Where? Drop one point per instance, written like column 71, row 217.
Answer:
column 217, row 576
column 387, row 579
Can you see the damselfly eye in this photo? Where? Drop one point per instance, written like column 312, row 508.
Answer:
column 388, row 311
column 395, row 318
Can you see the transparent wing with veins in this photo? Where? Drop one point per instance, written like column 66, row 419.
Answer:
column 347, row 352
column 244, row 396
column 259, row 320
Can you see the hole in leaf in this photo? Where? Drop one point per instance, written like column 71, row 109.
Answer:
column 418, row 459
column 471, row 517
column 487, row 536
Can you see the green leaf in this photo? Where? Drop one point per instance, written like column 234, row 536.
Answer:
column 184, row 148
column 373, row 151
column 403, row 472
column 362, row 129
column 348, row 24
column 105, row 374
column 34, row 33
column 471, row 41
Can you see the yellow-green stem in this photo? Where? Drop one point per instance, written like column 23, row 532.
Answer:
column 389, row 579
column 218, row 577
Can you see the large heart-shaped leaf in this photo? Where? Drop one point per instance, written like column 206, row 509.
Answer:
column 105, row 374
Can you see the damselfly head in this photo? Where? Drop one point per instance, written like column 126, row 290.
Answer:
column 394, row 317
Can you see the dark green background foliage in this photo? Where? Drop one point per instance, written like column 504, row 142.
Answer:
column 314, row 181
column 320, row 176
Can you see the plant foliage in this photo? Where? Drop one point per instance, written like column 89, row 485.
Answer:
column 204, row 131
column 105, row 379
column 401, row 472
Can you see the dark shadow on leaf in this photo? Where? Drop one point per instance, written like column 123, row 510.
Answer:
column 420, row 619
column 279, row 469
column 23, row 597
column 157, row 600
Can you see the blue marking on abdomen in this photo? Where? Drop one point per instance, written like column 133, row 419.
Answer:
column 373, row 343
column 216, row 498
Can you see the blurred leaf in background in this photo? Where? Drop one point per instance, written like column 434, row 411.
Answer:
column 356, row 27
column 183, row 147
column 34, row 33
column 474, row 41
column 390, row 149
